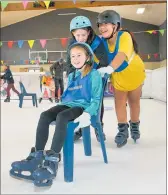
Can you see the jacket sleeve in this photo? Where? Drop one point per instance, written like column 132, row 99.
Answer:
column 102, row 55
column 69, row 67
column 7, row 75
column 52, row 69
column 96, row 93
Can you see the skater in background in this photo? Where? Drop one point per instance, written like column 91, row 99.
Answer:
column 78, row 102
column 8, row 77
column 46, row 81
column 128, row 73
column 81, row 30
column 57, row 70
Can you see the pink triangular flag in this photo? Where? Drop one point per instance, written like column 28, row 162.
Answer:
column 43, row 42
column 25, row 2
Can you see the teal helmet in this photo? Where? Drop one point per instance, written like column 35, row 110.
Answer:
column 79, row 22
column 87, row 48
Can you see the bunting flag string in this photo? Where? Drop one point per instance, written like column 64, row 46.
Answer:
column 64, row 41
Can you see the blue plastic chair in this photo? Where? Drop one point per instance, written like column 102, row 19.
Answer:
column 68, row 148
column 24, row 93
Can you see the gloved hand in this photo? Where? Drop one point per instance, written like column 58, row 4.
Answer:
column 84, row 120
column 109, row 69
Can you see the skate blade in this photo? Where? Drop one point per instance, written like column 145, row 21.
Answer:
column 121, row 145
column 45, row 183
column 20, row 176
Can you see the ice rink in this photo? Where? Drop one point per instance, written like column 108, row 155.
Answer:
column 134, row 169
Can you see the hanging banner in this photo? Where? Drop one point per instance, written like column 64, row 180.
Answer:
column 47, row 3
column 162, row 32
column 154, row 32
column 32, row 61
column 4, row 4
column 20, row 43
column 43, row 42
column 31, row 43
column 10, row 44
column 64, row 42
column 1, row 43
column 148, row 56
column 26, row 61
column 149, row 31
column 2, row 61
column 155, row 55
column 25, row 2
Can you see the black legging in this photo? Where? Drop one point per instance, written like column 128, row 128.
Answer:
column 62, row 114
column 59, row 83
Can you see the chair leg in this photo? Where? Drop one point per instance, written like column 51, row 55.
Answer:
column 102, row 143
column 68, row 153
column 87, row 141
column 35, row 100
column 21, row 101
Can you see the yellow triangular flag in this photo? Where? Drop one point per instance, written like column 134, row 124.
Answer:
column 31, row 43
column 150, row 31
column 162, row 32
column 1, row 61
column 148, row 56
column 47, row 3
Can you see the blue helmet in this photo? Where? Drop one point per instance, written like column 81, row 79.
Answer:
column 87, row 48
column 80, row 22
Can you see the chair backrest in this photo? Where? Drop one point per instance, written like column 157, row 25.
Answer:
column 105, row 79
column 22, row 88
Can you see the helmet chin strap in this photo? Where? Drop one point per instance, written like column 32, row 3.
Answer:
column 86, row 62
column 112, row 34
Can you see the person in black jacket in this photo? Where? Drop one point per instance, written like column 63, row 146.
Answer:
column 9, row 78
column 57, row 70
column 81, row 30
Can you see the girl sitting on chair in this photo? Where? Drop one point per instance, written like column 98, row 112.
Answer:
column 79, row 102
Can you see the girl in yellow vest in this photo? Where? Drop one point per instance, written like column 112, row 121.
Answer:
column 127, row 73
column 46, row 81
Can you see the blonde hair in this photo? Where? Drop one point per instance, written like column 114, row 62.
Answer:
column 87, row 67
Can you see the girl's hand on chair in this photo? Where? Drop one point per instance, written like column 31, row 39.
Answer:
column 84, row 120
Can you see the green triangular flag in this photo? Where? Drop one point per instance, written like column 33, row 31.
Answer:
column 4, row 4
column 1, row 43
column 162, row 32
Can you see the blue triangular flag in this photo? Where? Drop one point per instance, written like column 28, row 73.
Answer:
column 20, row 43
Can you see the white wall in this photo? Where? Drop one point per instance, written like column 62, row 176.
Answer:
column 155, row 84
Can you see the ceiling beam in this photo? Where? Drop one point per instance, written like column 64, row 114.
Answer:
column 78, row 4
